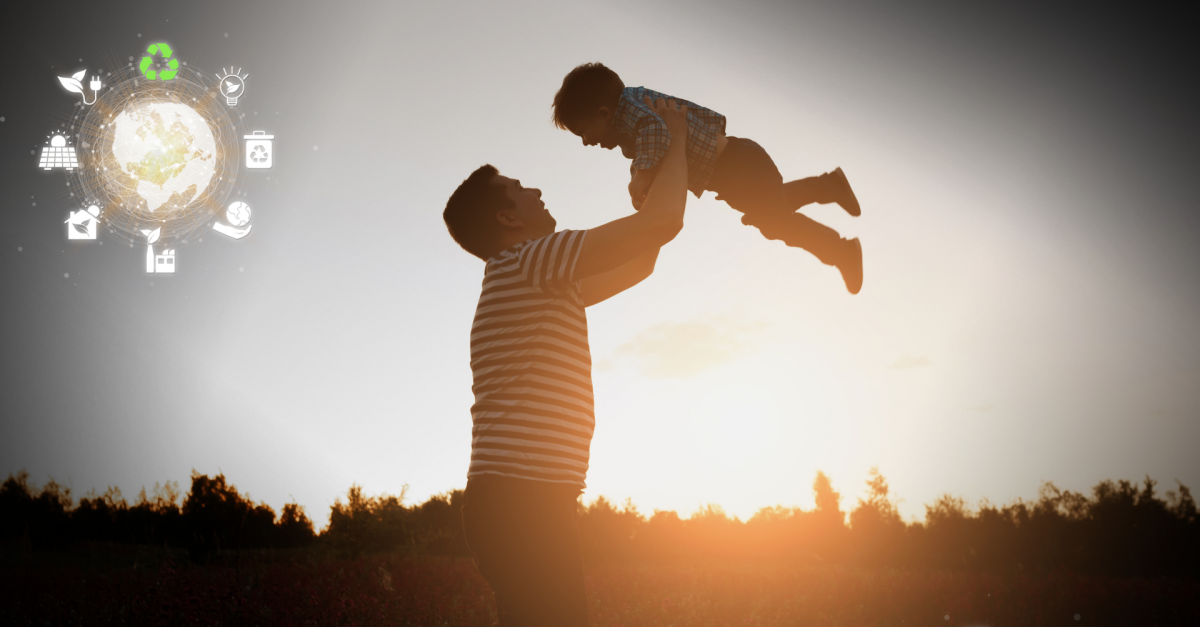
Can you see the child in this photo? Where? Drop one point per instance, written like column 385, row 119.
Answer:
column 594, row 104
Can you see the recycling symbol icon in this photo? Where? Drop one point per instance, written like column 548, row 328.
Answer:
column 163, row 75
column 259, row 154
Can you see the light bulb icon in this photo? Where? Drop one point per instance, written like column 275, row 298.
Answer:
column 232, row 85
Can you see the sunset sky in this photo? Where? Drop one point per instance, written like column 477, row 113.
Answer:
column 1030, row 310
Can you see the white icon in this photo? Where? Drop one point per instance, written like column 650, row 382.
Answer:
column 82, row 223
column 238, row 215
column 163, row 263
column 232, row 85
column 259, row 153
column 74, row 83
column 58, row 155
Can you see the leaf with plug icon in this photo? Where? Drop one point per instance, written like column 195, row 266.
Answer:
column 71, row 84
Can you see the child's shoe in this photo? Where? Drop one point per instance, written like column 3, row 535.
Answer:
column 845, row 195
column 851, row 266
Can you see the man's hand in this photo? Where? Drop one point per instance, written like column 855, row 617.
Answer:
column 676, row 121
column 639, row 185
column 675, row 118
column 610, row 246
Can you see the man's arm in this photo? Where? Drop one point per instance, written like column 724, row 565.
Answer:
column 651, row 136
column 601, row 287
column 639, row 185
column 613, row 245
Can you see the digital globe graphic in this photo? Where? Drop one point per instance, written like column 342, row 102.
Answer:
column 168, row 149
column 158, row 147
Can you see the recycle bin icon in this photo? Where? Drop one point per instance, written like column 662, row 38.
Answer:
column 259, row 153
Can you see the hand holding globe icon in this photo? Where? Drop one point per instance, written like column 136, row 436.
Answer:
column 238, row 214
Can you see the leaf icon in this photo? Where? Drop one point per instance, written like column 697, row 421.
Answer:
column 72, row 84
column 81, row 228
column 79, row 75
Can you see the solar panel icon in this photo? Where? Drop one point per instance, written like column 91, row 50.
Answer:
column 58, row 155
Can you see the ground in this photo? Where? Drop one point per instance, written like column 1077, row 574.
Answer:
column 138, row 586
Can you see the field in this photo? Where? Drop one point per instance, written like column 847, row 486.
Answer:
column 135, row 586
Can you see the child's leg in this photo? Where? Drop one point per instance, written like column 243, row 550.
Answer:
column 746, row 178
column 800, row 231
column 823, row 189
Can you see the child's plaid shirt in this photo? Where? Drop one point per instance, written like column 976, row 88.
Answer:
column 643, row 135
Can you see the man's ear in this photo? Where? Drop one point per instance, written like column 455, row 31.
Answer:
column 508, row 219
column 605, row 113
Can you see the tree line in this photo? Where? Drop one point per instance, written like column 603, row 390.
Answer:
column 1122, row 528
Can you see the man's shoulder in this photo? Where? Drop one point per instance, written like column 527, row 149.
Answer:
column 515, row 251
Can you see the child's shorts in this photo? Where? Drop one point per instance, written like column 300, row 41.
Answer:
column 746, row 178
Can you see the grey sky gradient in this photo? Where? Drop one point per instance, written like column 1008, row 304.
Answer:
column 1029, row 312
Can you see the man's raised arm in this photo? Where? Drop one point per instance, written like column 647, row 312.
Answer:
column 604, row 262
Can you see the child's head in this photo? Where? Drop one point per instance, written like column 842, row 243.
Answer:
column 586, row 103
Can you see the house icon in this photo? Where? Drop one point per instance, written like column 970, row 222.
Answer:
column 82, row 224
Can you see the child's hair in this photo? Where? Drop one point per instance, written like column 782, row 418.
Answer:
column 470, row 213
column 584, row 90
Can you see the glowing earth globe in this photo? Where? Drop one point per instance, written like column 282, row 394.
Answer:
column 168, row 149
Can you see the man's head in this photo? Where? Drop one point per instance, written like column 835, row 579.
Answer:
column 586, row 103
column 490, row 212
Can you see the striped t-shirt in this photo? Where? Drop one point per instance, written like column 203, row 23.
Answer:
column 533, row 415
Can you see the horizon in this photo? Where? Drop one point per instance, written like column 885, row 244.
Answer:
column 160, row 493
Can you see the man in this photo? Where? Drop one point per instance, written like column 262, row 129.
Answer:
column 533, row 416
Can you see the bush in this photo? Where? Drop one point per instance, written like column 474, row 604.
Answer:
column 368, row 524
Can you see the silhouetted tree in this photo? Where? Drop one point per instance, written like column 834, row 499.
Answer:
column 41, row 520
column 437, row 524
column 217, row 517
column 607, row 533
column 1122, row 528
column 829, row 521
column 98, row 518
column 877, row 530
column 368, row 524
column 294, row 529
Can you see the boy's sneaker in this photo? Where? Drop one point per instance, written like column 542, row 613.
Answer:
column 851, row 265
column 845, row 195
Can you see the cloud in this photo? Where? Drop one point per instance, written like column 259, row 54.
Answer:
column 683, row 349
column 907, row 361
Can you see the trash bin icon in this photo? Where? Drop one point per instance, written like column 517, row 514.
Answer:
column 259, row 153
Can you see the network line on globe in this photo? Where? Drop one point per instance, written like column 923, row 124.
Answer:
column 154, row 157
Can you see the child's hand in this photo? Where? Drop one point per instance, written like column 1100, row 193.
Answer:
column 639, row 186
